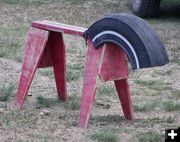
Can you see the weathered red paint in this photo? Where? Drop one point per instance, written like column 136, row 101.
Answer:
column 34, row 47
column 122, row 88
column 46, row 59
column 58, row 27
column 115, row 68
column 45, row 47
column 114, row 63
column 90, row 80
column 110, row 63
column 58, row 54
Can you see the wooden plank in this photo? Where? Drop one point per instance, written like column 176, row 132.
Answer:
column 58, row 53
column 90, row 82
column 34, row 47
column 114, row 63
column 111, row 64
column 59, row 27
column 46, row 59
column 122, row 88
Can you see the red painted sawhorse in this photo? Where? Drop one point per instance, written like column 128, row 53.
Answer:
column 44, row 47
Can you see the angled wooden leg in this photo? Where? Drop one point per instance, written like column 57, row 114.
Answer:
column 34, row 47
column 90, row 81
column 115, row 67
column 58, row 54
column 122, row 88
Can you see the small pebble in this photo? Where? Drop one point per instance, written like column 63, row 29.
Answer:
column 44, row 113
column 1, row 110
column 29, row 94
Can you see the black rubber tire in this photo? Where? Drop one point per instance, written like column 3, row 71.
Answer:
column 146, row 8
column 134, row 35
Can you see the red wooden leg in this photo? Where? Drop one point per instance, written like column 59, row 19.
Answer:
column 122, row 88
column 90, row 81
column 34, row 47
column 59, row 63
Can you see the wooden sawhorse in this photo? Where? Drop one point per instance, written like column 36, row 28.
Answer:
column 44, row 47
column 110, row 62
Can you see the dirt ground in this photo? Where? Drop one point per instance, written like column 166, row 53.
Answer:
column 155, row 91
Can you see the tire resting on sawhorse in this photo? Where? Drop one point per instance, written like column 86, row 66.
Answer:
column 44, row 47
column 139, row 41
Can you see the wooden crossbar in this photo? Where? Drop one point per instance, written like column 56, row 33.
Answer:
column 58, row 27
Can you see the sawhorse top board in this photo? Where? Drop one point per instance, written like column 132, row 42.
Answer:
column 58, row 27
